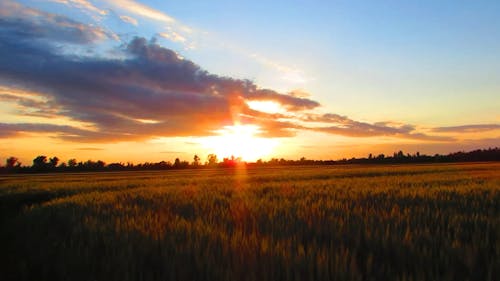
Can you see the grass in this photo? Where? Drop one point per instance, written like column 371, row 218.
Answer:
column 408, row 222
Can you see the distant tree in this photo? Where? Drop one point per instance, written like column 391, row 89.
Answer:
column 92, row 165
column 72, row 163
column 53, row 162
column 116, row 166
column 12, row 162
column 40, row 162
column 100, row 164
column 212, row 160
column 177, row 163
column 196, row 160
column 231, row 162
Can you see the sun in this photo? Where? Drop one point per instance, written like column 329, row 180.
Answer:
column 239, row 141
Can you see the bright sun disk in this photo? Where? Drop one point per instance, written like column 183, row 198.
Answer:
column 239, row 141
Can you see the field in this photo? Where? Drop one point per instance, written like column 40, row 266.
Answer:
column 408, row 222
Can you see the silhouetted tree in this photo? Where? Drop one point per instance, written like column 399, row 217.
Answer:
column 196, row 160
column 231, row 162
column 100, row 164
column 116, row 166
column 12, row 162
column 40, row 163
column 212, row 160
column 53, row 162
column 72, row 163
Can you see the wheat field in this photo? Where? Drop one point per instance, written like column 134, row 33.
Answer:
column 406, row 222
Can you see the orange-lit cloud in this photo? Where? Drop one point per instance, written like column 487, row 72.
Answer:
column 474, row 128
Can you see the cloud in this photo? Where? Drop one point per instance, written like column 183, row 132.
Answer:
column 467, row 128
column 290, row 101
column 18, row 22
column 90, row 148
column 137, row 8
column 116, row 94
column 174, row 30
column 12, row 130
column 84, row 5
column 30, row 106
column 347, row 127
column 290, row 74
column 130, row 20
column 147, row 91
column 172, row 36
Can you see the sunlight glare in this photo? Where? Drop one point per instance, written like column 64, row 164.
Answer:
column 266, row 106
column 239, row 141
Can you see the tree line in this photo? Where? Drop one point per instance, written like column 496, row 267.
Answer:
column 44, row 164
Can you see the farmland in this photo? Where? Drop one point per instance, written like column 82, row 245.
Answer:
column 381, row 222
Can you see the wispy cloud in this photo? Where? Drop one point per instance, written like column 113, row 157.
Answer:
column 90, row 148
column 12, row 130
column 84, row 5
column 130, row 20
column 136, row 8
column 291, row 74
column 342, row 125
column 474, row 128
column 172, row 152
column 172, row 36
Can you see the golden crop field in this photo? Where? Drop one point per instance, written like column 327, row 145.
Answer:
column 407, row 222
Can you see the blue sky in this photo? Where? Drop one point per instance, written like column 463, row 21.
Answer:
column 394, row 73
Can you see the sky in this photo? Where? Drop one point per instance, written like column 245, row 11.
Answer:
column 137, row 81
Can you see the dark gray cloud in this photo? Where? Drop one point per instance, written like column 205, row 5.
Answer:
column 149, row 83
column 145, row 91
column 345, row 126
column 27, row 23
column 290, row 102
column 467, row 128
column 12, row 130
